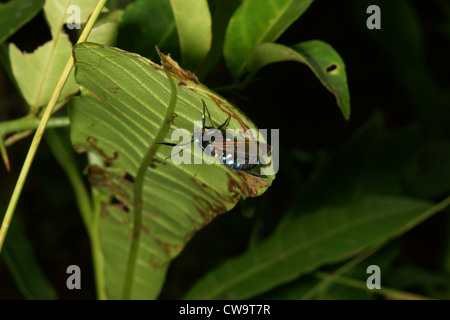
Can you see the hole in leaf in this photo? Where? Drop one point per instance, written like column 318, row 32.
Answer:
column 128, row 177
column 331, row 67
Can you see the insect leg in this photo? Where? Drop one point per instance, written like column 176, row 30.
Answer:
column 253, row 173
column 226, row 121
column 178, row 151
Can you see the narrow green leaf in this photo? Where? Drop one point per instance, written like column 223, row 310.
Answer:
column 319, row 56
column 193, row 21
column 118, row 117
column 255, row 22
column 15, row 14
column 62, row 151
column 38, row 72
column 323, row 235
column 21, row 261
column 146, row 24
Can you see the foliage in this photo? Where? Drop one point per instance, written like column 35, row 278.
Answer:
column 347, row 195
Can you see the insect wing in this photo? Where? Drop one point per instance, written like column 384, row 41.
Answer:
column 244, row 152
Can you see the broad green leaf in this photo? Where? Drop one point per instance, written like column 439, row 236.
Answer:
column 193, row 21
column 146, row 24
column 117, row 118
column 19, row 256
column 319, row 56
column 322, row 235
column 255, row 22
column 59, row 12
column 15, row 14
column 38, row 72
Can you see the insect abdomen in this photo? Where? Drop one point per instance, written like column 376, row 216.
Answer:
column 245, row 165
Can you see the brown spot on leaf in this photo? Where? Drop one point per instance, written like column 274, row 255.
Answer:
column 118, row 186
column 93, row 144
column 174, row 68
column 222, row 106
column 246, row 184
column 97, row 97
column 113, row 90
column 157, row 265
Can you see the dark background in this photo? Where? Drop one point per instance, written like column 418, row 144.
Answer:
column 285, row 96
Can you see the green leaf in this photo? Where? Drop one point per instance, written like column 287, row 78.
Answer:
column 62, row 150
column 21, row 261
column 56, row 12
column 301, row 287
column 322, row 235
column 319, row 56
column 106, row 28
column 221, row 16
column 105, row 34
column 255, row 22
column 15, row 14
column 38, row 72
column 117, row 118
column 193, row 21
column 146, row 24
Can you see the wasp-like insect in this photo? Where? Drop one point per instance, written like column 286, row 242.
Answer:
column 236, row 155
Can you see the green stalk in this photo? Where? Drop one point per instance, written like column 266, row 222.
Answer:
column 27, row 123
column 139, row 184
column 42, row 125
column 4, row 154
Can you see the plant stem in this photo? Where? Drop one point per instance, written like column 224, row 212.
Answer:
column 26, row 123
column 4, row 154
column 139, row 184
column 42, row 125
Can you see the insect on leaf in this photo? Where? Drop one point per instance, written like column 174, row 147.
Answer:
column 117, row 117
